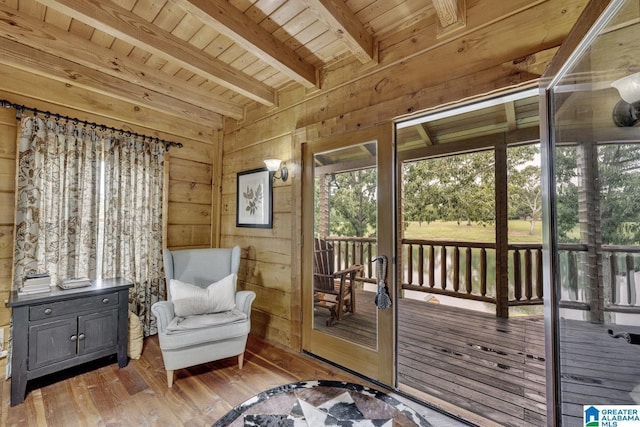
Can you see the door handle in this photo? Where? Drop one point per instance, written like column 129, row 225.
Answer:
column 382, row 299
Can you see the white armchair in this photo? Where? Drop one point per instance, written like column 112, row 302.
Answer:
column 208, row 337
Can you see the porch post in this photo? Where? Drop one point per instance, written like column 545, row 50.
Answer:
column 590, row 227
column 502, row 239
column 323, row 208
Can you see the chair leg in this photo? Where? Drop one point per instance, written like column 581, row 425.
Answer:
column 352, row 292
column 169, row 378
column 340, row 299
column 240, row 360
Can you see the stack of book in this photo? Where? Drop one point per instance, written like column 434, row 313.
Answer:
column 35, row 284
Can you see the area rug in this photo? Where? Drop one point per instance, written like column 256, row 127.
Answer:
column 322, row 403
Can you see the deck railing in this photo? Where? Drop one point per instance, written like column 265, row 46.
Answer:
column 467, row 270
column 355, row 250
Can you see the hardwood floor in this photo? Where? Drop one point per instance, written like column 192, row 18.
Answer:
column 100, row 394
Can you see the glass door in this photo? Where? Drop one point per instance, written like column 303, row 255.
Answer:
column 347, row 220
column 592, row 232
column 470, row 327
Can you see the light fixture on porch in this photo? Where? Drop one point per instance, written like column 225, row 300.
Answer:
column 273, row 165
column 626, row 113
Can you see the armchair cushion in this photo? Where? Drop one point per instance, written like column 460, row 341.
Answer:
column 179, row 324
column 192, row 300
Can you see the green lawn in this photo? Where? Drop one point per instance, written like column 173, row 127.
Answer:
column 451, row 230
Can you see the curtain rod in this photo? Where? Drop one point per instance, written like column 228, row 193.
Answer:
column 19, row 108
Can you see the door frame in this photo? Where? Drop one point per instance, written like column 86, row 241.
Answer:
column 377, row 364
column 595, row 14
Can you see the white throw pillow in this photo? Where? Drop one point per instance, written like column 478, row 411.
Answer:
column 190, row 300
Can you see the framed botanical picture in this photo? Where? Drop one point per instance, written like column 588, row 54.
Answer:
column 254, row 199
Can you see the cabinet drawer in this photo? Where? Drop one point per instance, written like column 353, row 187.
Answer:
column 60, row 308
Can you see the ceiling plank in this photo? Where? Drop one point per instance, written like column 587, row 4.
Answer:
column 346, row 26
column 112, row 19
column 227, row 20
column 46, row 94
column 531, row 134
column 18, row 26
column 34, row 61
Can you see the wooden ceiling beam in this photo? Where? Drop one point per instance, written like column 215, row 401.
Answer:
column 451, row 13
column 125, row 25
column 37, row 62
column 510, row 113
column 346, row 26
column 228, row 20
column 447, row 11
column 18, row 26
column 424, row 133
column 347, row 166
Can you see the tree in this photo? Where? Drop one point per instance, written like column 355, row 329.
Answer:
column 420, row 193
column 525, row 195
column 566, row 168
column 353, row 203
column 453, row 188
column 462, row 187
column 619, row 180
column 619, row 176
column 524, row 184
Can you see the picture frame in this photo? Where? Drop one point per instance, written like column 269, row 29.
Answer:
column 254, row 199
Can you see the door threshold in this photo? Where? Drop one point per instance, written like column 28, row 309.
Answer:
column 446, row 410
column 444, row 407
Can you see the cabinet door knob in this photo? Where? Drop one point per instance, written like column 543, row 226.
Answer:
column 81, row 337
column 105, row 300
column 74, row 338
column 48, row 311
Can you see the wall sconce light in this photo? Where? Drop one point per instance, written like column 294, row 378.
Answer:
column 273, row 165
column 626, row 113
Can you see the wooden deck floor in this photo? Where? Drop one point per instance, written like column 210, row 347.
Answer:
column 492, row 368
column 359, row 327
column 597, row 369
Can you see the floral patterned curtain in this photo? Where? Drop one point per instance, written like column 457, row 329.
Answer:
column 61, row 194
column 56, row 215
column 132, row 248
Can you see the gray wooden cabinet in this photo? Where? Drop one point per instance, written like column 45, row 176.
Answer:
column 65, row 328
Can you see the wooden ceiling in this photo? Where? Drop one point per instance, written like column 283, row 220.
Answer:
column 202, row 59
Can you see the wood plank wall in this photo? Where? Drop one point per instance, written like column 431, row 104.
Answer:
column 501, row 46
column 192, row 213
column 7, row 214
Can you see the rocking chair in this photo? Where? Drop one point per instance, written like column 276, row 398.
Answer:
column 333, row 290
